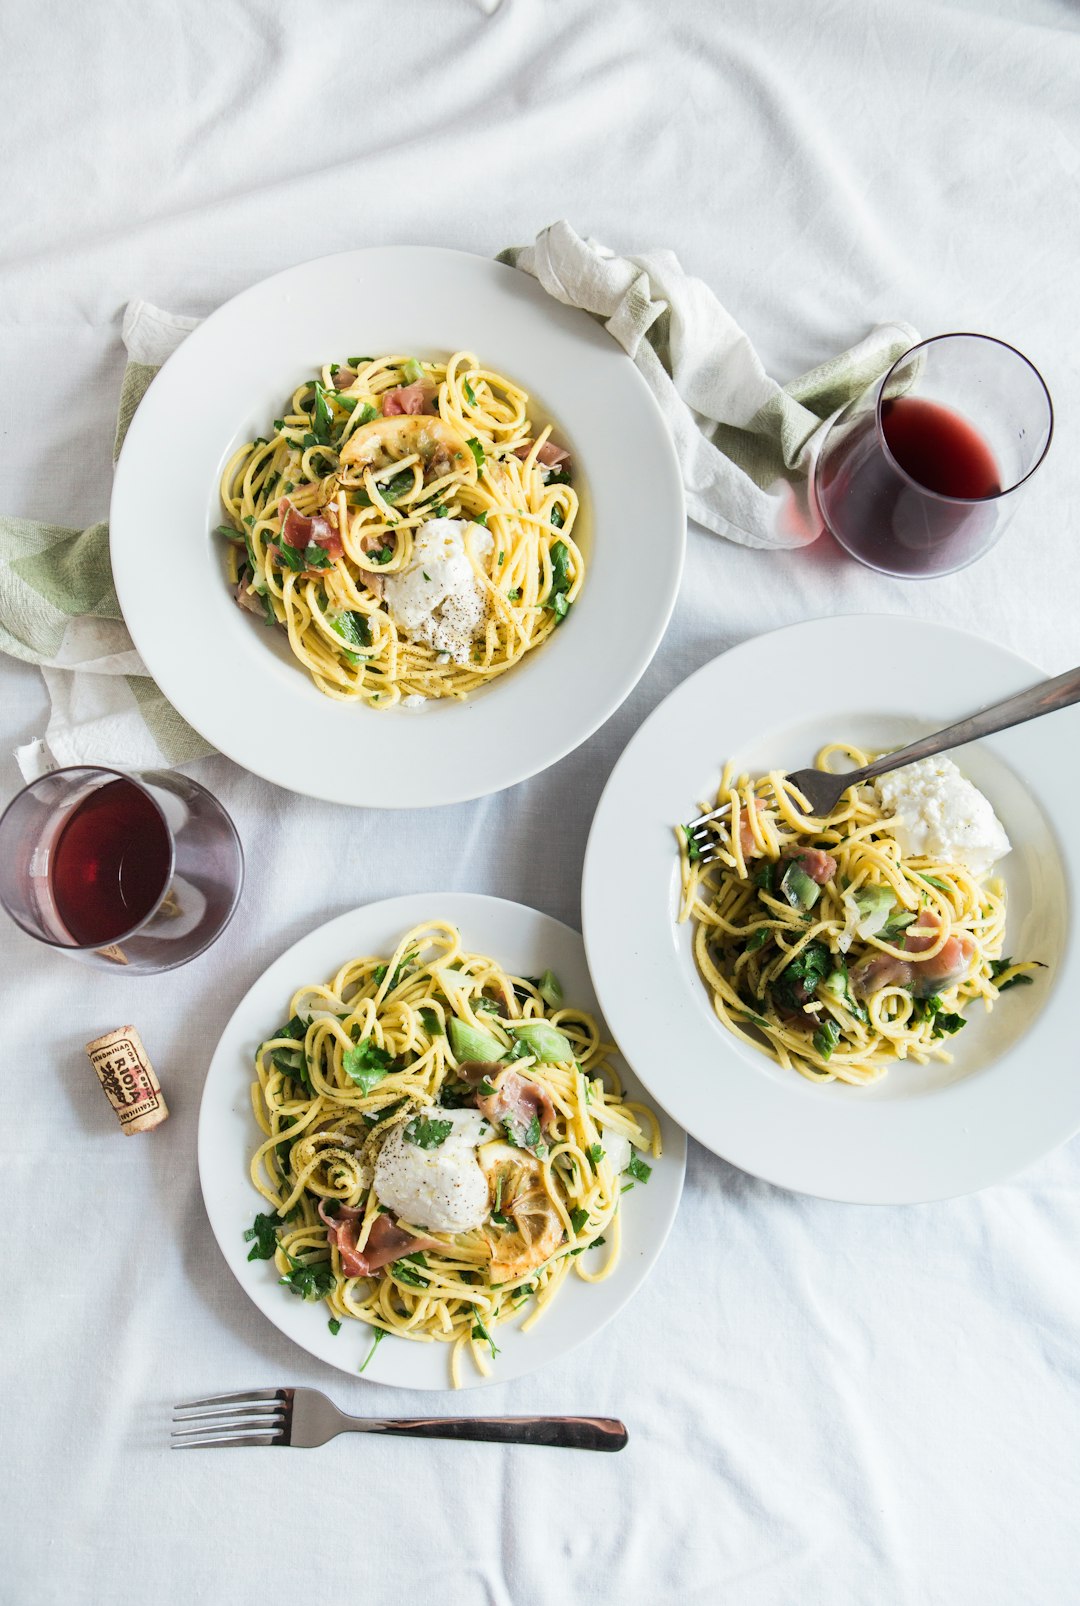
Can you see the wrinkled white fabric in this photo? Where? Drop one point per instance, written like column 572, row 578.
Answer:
column 828, row 1405
column 704, row 372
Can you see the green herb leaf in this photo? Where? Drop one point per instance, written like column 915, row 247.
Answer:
column 428, row 1134
column 799, row 980
column 310, row 1280
column 323, row 418
column 470, row 394
column 693, row 852
column 481, row 519
column 945, row 1024
column 334, row 1326
column 578, row 1218
column 373, row 1117
column 558, row 517
column 405, row 1274
column 933, row 881
column 638, row 1169
column 758, row 939
column 477, row 450
column 264, row 1233
column 480, row 1332
column 351, row 627
column 431, row 1023
column 380, row 1332
column 358, row 362
column 826, row 1038
column 595, row 1153
column 317, row 557
column 366, row 1064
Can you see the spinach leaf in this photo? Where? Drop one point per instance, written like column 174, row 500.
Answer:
column 366, row 1064
column 999, row 966
column 427, row 1134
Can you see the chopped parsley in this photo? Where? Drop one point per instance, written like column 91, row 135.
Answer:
column 367, row 416
column 595, row 1153
column 638, row 1169
column 477, row 450
column 799, row 980
column 558, row 517
column 693, row 852
column 334, row 1326
column 560, row 581
column 264, row 1234
column 578, row 1218
column 323, row 418
column 515, row 595
column 427, row 1134
column 366, row 1064
column 481, row 1335
column 380, row 1332
column 470, row 394
column 358, row 362
column 311, row 1281
column 481, row 519
column 405, row 1274
column 431, row 1023
column 758, row 939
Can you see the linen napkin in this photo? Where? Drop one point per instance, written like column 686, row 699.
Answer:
column 745, row 443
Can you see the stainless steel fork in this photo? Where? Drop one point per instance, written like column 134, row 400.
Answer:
column 824, row 790
column 304, row 1418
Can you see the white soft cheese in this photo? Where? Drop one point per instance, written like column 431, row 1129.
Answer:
column 937, row 813
column 442, row 1189
column 436, row 598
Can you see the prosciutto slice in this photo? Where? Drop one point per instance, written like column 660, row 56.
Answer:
column 814, row 862
column 549, row 455
column 418, row 397
column 921, row 976
column 386, row 1241
column 516, row 1101
column 301, row 531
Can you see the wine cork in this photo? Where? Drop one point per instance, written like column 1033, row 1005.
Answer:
column 125, row 1072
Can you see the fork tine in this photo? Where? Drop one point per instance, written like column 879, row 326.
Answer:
column 216, row 1426
column 260, row 1413
column 234, row 1399
column 256, row 1439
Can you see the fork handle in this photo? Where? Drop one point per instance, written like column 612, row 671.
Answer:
column 564, row 1432
column 1045, row 698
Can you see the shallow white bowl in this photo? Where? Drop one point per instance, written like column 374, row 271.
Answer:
column 235, row 680
column 524, row 942
column 923, row 1132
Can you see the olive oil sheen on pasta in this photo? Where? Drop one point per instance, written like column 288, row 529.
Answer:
column 110, row 864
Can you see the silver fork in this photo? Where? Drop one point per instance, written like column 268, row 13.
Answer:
column 823, row 790
column 304, row 1418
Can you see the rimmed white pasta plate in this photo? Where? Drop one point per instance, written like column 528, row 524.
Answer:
column 238, row 684
column 924, row 1131
column 522, row 940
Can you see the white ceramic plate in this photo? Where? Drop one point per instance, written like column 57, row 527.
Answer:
column 921, row 1133
column 525, row 942
column 237, row 683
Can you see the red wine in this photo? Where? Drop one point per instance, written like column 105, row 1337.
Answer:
column 939, row 449
column 110, row 863
column 898, row 522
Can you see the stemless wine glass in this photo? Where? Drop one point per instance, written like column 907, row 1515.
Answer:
column 920, row 474
column 137, row 870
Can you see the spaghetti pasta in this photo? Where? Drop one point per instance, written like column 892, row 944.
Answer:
column 826, row 948
column 376, row 1058
column 332, row 505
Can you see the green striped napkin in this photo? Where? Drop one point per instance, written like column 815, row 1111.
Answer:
column 58, row 609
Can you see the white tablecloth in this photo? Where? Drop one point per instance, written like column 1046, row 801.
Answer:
column 826, row 1404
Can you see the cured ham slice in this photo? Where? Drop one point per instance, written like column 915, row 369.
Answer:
column 301, row 531
column 418, row 397
column 517, row 1101
column 386, row 1241
column 814, row 862
column 549, row 455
